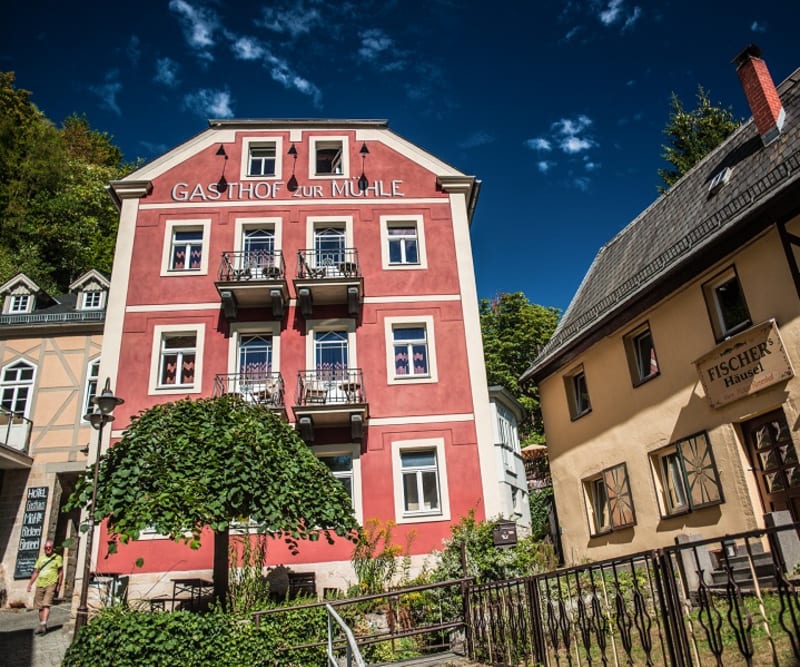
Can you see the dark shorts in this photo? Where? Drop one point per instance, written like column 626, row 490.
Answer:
column 43, row 597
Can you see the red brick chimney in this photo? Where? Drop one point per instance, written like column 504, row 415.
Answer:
column 762, row 96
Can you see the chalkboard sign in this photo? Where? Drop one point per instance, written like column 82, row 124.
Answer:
column 30, row 539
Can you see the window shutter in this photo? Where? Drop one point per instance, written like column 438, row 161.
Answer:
column 701, row 473
column 620, row 500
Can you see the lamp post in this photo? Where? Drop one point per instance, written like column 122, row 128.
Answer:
column 104, row 405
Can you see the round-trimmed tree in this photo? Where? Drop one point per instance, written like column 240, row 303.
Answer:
column 183, row 466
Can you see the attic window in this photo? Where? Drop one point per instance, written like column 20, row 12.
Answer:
column 721, row 178
column 92, row 300
column 19, row 303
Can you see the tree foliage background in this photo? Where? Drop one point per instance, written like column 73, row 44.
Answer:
column 514, row 330
column 56, row 219
column 693, row 134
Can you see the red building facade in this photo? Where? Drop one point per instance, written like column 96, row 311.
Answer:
column 323, row 268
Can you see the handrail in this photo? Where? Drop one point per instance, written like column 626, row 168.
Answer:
column 352, row 653
column 38, row 318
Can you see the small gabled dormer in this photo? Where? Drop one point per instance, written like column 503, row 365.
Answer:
column 20, row 295
column 91, row 291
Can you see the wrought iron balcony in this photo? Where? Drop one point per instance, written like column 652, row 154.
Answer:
column 327, row 278
column 329, row 398
column 257, row 388
column 15, row 438
column 252, row 279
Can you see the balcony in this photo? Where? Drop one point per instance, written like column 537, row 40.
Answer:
column 329, row 399
column 259, row 389
column 329, row 278
column 15, row 440
column 252, row 279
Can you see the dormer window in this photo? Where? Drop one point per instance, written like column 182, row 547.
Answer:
column 329, row 157
column 92, row 300
column 20, row 303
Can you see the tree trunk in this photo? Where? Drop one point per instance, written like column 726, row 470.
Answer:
column 221, row 542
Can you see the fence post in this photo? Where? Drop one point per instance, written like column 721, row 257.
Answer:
column 670, row 607
column 537, row 629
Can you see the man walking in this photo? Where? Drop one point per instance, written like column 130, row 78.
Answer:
column 48, row 573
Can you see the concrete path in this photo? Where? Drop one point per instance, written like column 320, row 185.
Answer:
column 19, row 647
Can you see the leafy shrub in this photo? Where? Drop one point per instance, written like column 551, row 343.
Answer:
column 540, row 502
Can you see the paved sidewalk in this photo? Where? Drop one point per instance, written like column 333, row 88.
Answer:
column 19, row 647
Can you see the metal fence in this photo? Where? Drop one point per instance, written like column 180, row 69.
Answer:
column 727, row 601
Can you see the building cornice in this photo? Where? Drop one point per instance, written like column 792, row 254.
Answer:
column 252, row 123
column 123, row 189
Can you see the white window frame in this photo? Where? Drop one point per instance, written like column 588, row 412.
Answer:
column 20, row 304
column 353, row 450
column 88, row 394
column 721, row 331
column 185, row 225
column 508, row 438
column 425, row 321
column 30, row 385
column 243, row 225
column 437, row 446
column 347, row 325
column 261, row 142
column 389, row 221
column 314, row 142
column 239, row 329
column 100, row 294
column 159, row 333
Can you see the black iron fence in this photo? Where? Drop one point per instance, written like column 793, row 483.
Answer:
column 708, row 602
column 332, row 263
column 260, row 388
column 331, row 386
column 252, row 265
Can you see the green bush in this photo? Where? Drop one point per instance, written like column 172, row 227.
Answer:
column 540, row 502
column 124, row 637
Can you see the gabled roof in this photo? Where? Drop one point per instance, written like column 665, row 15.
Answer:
column 669, row 237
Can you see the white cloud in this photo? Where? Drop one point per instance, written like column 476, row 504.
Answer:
column 544, row 166
column 199, row 24
column 209, row 103
column 572, row 145
column 297, row 20
column 108, row 91
column 538, row 144
column 378, row 48
column 153, row 148
column 590, row 165
column 572, row 33
column 610, row 15
column 247, row 48
column 581, row 182
column 570, row 127
column 283, row 74
column 166, row 72
column 134, row 50
column 632, row 18
column 479, row 138
column 758, row 27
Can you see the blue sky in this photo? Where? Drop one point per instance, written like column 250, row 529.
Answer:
column 557, row 107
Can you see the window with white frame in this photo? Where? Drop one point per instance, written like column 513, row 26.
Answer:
column 641, row 353
column 92, row 375
column 20, row 303
column 261, row 159
column 344, row 463
column 341, row 467
column 609, row 500
column 577, row 393
column 686, row 476
column 176, row 356
column 16, row 387
column 411, row 354
column 420, row 481
column 402, row 242
column 329, row 157
column 509, row 438
column 726, row 304
column 185, row 247
column 92, row 300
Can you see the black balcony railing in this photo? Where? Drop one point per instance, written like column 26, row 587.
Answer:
column 15, row 431
column 252, row 265
column 323, row 264
column 331, row 386
column 257, row 388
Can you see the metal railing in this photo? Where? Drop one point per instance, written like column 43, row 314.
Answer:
column 15, row 431
column 252, row 265
column 324, row 264
column 352, row 654
column 49, row 318
column 723, row 601
column 257, row 388
column 331, row 386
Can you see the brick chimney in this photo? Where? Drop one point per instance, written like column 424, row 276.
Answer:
column 762, row 96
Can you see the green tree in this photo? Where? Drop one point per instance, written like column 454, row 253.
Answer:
column 514, row 330
column 183, row 466
column 693, row 135
column 56, row 220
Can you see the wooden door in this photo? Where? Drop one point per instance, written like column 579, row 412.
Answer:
column 775, row 464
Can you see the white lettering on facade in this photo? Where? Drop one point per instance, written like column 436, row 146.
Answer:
column 252, row 190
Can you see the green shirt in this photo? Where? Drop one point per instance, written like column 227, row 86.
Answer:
column 48, row 567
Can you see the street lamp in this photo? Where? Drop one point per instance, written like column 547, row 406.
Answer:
column 104, row 405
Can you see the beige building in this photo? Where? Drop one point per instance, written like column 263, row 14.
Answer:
column 668, row 390
column 49, row 361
